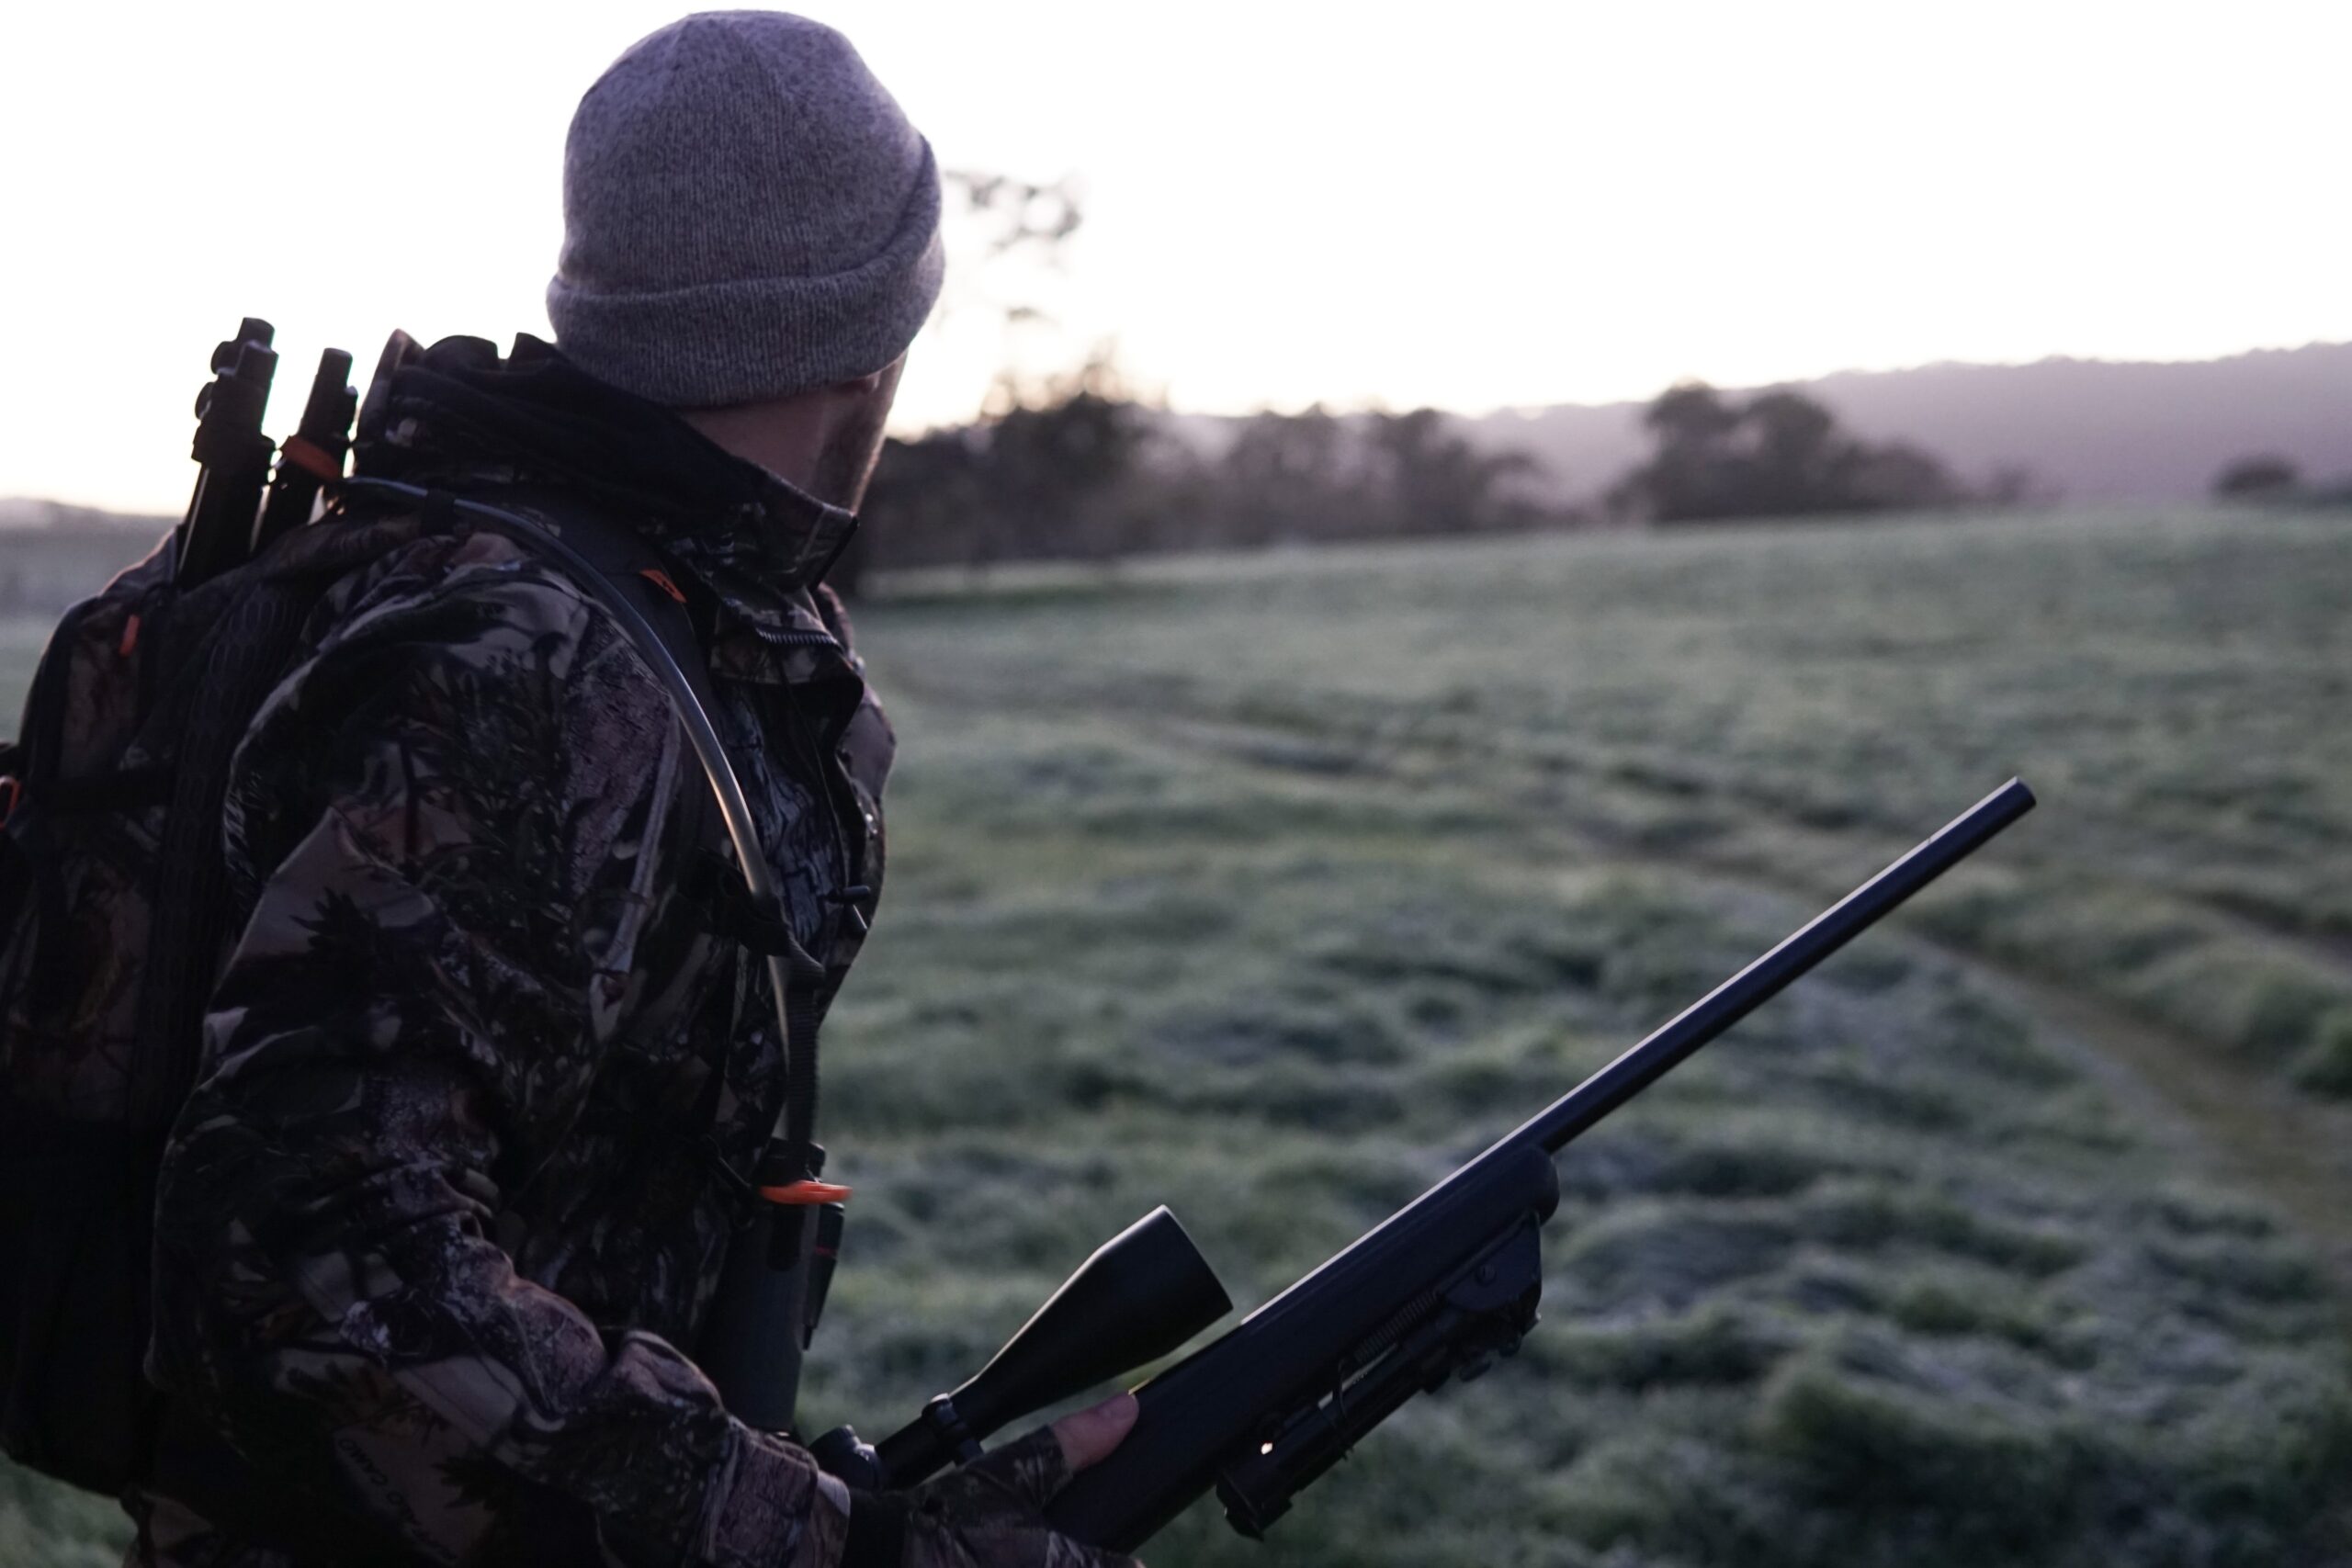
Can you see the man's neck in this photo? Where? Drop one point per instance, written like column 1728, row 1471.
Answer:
column 786, row 439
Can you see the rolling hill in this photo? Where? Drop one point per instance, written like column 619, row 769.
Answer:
column 2091, row 430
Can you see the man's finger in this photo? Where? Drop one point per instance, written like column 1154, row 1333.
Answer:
column 1088, row 1436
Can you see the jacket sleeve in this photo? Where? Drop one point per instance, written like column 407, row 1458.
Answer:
column 457, row 812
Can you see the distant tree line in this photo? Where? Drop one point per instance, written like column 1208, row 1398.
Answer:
column 2264, row 476
column 1078, row 469
column 1780, row 454
column 1085, row 472
column 2265, row 479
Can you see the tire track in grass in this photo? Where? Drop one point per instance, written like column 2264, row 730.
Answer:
column 2252, row 1130
column 2244, row 1126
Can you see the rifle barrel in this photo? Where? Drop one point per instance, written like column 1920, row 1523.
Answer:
column 1569, row 1116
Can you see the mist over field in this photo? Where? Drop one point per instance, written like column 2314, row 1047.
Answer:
column 1271, row 887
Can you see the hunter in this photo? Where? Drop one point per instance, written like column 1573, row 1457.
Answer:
column 482, row 1077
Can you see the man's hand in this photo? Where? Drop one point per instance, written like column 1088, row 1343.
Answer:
column 1088, row 1436
column 990, row 1514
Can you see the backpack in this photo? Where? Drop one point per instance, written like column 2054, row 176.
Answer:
column 115, row 916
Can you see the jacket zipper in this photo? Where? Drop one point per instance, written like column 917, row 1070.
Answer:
column 798, row 639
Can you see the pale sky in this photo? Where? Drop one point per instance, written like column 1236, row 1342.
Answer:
column 1471, row 204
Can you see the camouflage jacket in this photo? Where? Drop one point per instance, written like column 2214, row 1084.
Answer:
column 438, row 1224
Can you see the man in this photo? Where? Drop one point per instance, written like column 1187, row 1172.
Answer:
column 483, row 1071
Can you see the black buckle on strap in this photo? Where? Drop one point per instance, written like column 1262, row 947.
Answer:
column 735, row 917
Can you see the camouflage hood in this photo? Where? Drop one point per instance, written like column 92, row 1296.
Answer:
column 459, row 413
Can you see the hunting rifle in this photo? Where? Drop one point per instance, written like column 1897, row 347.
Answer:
column 1438, row 1290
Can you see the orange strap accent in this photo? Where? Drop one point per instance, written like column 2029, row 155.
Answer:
column 310, row 457
column 129, row 638
column 804, row 1194
column 660, row 578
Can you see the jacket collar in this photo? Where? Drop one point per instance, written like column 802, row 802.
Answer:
column 757, row 544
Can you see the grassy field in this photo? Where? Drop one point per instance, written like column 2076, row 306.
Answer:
column 1272, row 888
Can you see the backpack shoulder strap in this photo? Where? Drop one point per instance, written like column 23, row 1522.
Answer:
column 624, row 574
column 622, row 562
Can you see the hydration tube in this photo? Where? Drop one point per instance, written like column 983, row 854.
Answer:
column 702, row 734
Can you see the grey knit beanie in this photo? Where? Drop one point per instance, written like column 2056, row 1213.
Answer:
column 747, row 214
